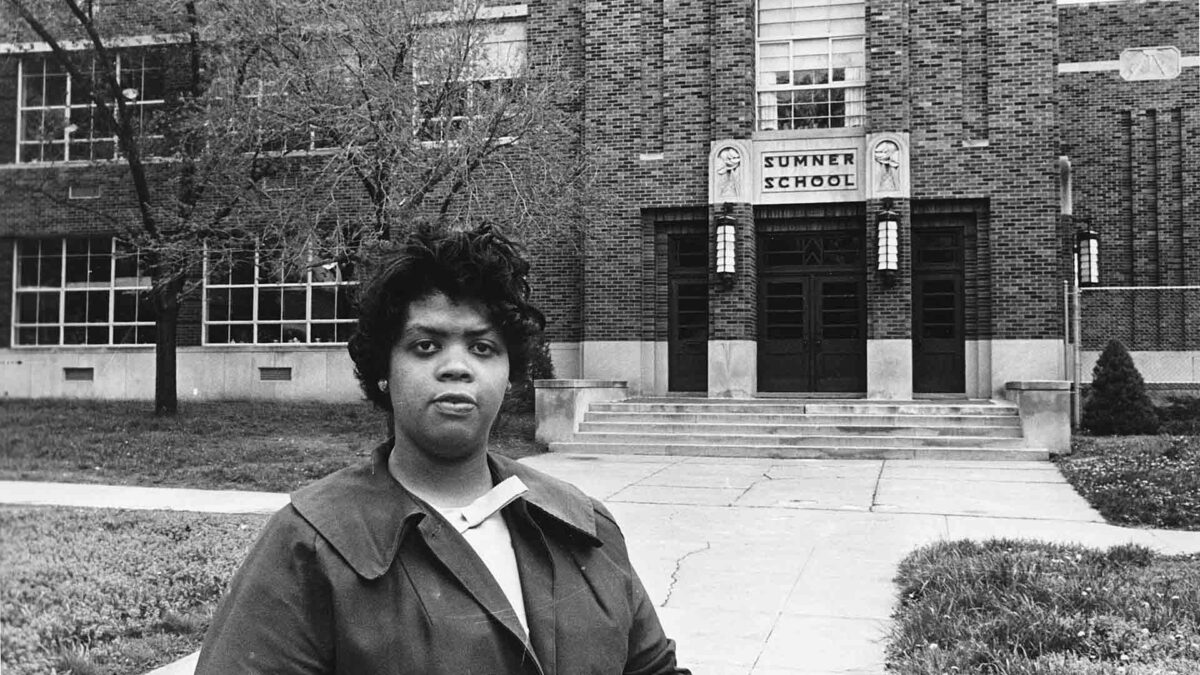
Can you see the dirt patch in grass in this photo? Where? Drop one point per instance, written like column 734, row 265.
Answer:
column 240, row 445
column 98, row 591
column 1024, row 608
column 1148, row 481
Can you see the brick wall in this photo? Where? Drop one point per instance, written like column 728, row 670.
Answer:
column 1134, row 159
column 1006, row 158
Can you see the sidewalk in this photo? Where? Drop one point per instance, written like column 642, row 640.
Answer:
column 760, row 566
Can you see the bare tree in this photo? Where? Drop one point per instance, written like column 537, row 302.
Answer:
column 187, row 185
column 408, row 112
column 377, row 116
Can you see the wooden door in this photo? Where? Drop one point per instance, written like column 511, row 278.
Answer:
column 687, row 307
column 812, row 312
column 939, row 335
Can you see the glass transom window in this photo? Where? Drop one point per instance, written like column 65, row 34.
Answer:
column 811, row 64
column 85, row 291
column 256, row 300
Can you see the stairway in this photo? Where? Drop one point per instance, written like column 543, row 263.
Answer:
column 803, row 429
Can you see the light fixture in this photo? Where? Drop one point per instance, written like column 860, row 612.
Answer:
column 888, row 224
column 726, row 247
column 1087, row 248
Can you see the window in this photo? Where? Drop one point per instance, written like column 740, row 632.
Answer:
column 90, row 291
column 277, row 132
column 444, row 108
column 811, row 64
column 256, row 300
column 58, row 121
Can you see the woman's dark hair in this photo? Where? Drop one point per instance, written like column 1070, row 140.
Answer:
column 480, row 264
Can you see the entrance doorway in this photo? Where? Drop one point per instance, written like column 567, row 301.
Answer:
column 939, row 337
column 687, row 307
column 812, row 318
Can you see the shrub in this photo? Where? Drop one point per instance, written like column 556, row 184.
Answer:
column 1180, row 416
column 1117, row 403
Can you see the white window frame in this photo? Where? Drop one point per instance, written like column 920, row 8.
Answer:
column 853, row 90
column 256, row 287
column 111, row 285
column 73, row 102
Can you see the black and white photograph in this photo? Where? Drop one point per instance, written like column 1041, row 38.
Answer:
column 627, row 337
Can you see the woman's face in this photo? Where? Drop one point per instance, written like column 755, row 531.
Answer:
column 447, row 379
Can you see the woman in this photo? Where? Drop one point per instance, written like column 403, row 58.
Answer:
column 436, row 556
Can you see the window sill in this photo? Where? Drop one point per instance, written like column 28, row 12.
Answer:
column 794, row 134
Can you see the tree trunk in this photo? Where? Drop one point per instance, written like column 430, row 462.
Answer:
column 166, row 395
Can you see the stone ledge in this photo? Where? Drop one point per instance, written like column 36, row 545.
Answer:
column 1039, row 385
column 578, row 384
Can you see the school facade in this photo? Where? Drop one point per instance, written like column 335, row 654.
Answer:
column 880, row 198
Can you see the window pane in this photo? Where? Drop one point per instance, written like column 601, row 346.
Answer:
column 47, row 308
column 75, row 307
column 324, row 302
column 270, row 303
column 294, row 332
column 77, row 269
column 269, row 333
column 323, row 332
column 28, row 273
column 50, row 267
column 346, row 307
column 218, row 304
column 97, row 307
column 241, row 304
column 294, row 304
column 56, row 88
column 74, row 335
column 218, row 335
column 97, row 335
column 27, row 307
column 125, row 306
column 48, row 336
column 27, row 336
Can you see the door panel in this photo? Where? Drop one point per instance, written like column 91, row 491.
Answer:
column 840, row 329
column 939, row 336
column 687, row 308
column 783, row 342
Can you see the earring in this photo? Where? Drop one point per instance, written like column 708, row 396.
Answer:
column 383, row 385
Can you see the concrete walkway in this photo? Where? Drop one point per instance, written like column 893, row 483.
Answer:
column 760, row 566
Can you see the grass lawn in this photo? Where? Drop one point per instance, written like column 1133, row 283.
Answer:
column 99, row 591
column 1148, row 481
column 1020, row 608
column 237, row 445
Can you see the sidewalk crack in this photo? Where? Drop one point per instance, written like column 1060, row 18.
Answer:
column 678, row 566
column 875, row 492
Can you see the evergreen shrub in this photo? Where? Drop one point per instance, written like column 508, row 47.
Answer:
column 1117, row 403
column 520, row 398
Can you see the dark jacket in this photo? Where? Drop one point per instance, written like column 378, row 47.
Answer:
column 358, row 576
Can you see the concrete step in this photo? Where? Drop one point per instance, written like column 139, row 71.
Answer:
column 794, row 408
column 710, row 417
column 834, row 440
column 867, row 428
column 791, row 452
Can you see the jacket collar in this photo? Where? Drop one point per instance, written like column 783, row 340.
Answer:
column 365, row 515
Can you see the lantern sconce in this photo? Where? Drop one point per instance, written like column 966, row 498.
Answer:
column 726, row 247
column 1087, row 249
column 888, row 224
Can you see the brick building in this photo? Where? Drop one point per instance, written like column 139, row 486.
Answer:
column 837, row 197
